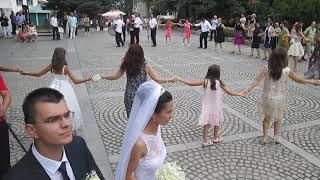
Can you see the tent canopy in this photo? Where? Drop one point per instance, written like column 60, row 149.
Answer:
column 113, row 13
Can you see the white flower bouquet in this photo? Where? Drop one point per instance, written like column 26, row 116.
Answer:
column 170, row 171
column 92, row 176
column 96, row 77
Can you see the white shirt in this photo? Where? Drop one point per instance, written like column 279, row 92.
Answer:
column 51, row 166
column 137, row 22
column 153, row 23
column 214, row 24
column 118, row 23
column 205, row 26
column 54, row 22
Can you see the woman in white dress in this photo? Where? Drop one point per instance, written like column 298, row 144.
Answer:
column 143, row 151
column 276, row 77
column 61, row 73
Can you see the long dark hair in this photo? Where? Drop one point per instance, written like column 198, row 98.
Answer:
column 277, row 61
column 213, row 74
column 133, row 61
column 58, row 59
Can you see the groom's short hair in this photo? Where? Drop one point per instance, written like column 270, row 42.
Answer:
column 47, row 95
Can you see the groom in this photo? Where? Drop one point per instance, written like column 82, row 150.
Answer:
column 55, row 154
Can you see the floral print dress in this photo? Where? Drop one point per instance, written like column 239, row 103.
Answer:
column 132, row 86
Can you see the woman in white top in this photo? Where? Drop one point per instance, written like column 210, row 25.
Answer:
column 143, row 151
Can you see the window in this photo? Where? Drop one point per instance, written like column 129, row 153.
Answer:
column 19, row 2
column 30, row 2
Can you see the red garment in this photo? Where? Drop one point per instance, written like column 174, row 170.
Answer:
column 169, row 29
column 3, row 87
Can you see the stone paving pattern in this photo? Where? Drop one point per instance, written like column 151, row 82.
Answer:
column 241, row 156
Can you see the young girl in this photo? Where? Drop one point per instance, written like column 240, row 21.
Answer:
column 187, row 31
column 314, row 61
column 61, row 71
column 169, row 25
column 238, row 36
column 211, row 112
column 275, row 76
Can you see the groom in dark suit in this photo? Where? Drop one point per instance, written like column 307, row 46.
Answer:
column 55, row 154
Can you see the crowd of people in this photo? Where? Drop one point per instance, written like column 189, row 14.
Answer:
column 53, row 116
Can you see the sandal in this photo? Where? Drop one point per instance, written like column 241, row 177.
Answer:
column 218, row 140
column 205, row 144
column 266, row 140
column 276, row 139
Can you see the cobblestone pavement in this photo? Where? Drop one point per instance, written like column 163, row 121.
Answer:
column 240, row 156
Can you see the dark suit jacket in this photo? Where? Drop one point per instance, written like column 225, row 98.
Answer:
column 77, row 152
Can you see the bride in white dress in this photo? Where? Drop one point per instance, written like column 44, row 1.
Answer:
column 61, row 73
column 143, row 151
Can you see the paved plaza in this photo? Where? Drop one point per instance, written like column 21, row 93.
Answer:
column 240, row 156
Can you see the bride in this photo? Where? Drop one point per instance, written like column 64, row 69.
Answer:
column 143, row 151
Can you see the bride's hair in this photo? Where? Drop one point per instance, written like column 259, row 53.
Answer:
column 58, row 59
column 163, row 99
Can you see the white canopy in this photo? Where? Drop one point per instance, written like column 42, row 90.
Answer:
column 113, row 14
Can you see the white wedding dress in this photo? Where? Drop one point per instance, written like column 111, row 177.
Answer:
column 61, row 83
column 154, row 159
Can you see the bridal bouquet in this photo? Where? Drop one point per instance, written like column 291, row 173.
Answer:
column 170, row 171
column 92, row 176
column 96, row 77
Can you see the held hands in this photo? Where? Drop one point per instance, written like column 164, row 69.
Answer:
column 96, row 77
column 315, row 82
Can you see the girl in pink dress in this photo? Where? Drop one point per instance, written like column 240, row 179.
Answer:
column 212, row 105
column 187, row 31
column 169, row 25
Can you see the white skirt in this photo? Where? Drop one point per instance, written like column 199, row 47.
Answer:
column 296, row 50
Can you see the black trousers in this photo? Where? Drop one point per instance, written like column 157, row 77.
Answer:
column 86, row 29
column 124, row 33
column 4, row 149
column 13, row 28
column 212, row 34
column 119, row 39
column 55, row 33
column 204, row 36
column 136, row 32
column 131, row 37
column 153, row 36
column 76, row 33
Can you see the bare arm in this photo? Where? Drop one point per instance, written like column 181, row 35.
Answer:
column 229, row 91
column 6, row 100
column 115, row 76
column 299, row 79
column 8, row 69
column 138, row 151
column 258, row 79
column 74, row 77
column 192, row 82
column 39, row 73
column 153, row 74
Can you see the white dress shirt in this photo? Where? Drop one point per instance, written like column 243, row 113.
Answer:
column 119, row 23
column 54, row 22
column 153, row 23
column 51, row 166
column 137, row 22
column 205, row 26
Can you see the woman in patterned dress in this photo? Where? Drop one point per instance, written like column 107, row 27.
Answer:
column 136, row 69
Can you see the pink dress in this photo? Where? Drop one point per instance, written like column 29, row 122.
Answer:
column 187, row 30
column 211, row 110
column 169, row 29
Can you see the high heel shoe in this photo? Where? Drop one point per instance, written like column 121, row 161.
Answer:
column 265, row 140
column 276, row 139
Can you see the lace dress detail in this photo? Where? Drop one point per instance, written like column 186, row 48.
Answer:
column 154, row 159
column 61, row 83
column 132, row 86
column 273, row 94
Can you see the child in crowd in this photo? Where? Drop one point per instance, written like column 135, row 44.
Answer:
column 212, row 105
column 61, row 72
column 276, row 77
